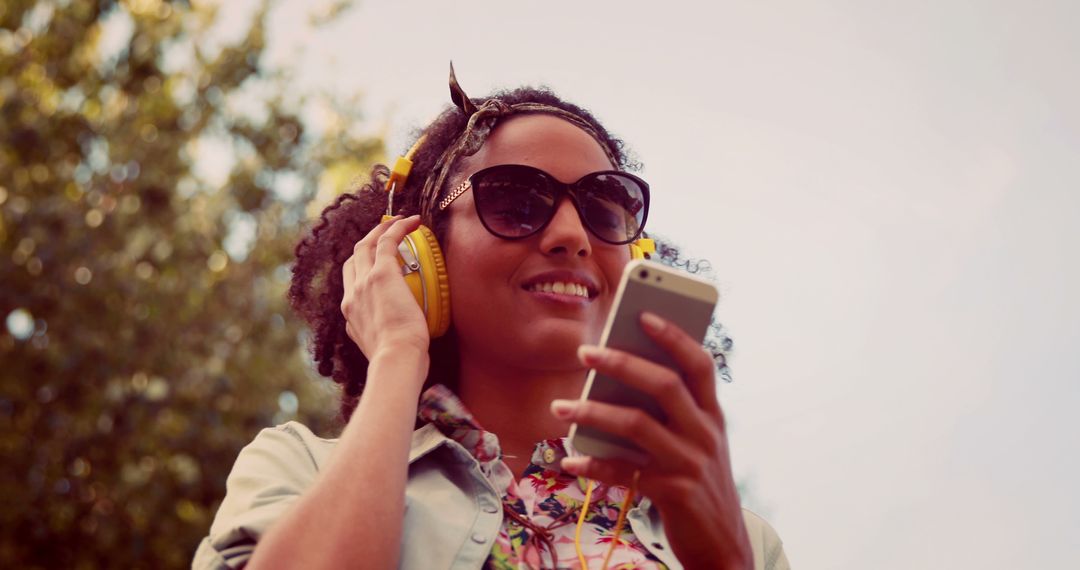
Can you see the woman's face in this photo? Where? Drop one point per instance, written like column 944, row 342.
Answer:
column 499, row 307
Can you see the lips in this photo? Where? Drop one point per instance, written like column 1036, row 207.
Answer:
column 569, row 283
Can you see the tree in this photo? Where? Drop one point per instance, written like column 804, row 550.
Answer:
column 147, row 337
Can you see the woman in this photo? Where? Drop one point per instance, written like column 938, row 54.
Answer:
column 486, row 480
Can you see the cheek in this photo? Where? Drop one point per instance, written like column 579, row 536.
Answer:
column 612, row 260
column 474, row 270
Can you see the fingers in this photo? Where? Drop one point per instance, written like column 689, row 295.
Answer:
column 386, row 244
column 363, row 254
column 365, row 250
column 662, row 384
column 630, row 423
column 697, row 366
column 658, row 486
column 610, row 471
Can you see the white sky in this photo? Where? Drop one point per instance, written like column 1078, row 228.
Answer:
column 889, row 193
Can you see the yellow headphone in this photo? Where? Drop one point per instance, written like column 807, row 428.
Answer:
column 422, row 261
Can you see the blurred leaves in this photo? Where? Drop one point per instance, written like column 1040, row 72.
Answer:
column 152, row 187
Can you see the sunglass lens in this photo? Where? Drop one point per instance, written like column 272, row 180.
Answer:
column 613, row 206
column 513, row 202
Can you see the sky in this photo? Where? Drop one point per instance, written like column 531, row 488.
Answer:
column 888, row 193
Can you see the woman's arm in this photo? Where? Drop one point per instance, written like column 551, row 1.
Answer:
column 355, row 509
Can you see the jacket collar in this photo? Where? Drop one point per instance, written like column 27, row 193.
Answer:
column 425, row 440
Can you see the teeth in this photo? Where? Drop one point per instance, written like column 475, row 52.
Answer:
column 562, row 288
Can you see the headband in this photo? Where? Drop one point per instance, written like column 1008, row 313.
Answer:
column 481, row 121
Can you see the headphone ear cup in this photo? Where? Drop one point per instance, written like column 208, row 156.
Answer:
column 428, row 281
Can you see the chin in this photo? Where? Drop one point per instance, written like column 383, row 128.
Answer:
column 554, row 360
column 558, row 341
column 546, row 343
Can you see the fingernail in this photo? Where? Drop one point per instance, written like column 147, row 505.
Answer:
column 652, row 322
column 563, row 409
column 590, row 355
column 573, row 465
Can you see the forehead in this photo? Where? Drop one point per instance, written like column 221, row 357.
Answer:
column 543, row 141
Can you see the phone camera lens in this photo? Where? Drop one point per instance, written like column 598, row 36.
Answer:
column 644, row 274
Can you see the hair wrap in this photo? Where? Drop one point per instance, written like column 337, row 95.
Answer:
column 482, row 121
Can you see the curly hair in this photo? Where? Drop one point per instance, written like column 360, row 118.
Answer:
column 316, row 290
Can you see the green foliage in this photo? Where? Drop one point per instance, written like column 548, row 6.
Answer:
column 146, row 340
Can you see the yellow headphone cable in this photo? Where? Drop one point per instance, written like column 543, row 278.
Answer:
column 618, row 524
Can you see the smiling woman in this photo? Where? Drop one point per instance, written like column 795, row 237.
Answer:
column 452, row 453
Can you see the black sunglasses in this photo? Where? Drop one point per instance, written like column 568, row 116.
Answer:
column 515, row 201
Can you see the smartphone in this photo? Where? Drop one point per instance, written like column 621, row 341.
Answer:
column 682, row 299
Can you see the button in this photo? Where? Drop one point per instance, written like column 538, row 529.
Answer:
column 491, row 509
column 479, row 538
column 658, row 546
column 549, row 455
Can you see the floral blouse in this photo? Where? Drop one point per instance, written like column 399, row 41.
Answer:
column 547, row 498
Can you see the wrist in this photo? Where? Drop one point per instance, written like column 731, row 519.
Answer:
column 721, row 541
column 400, row 350
column 405, row 358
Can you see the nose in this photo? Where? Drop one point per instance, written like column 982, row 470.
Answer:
column 565, row 233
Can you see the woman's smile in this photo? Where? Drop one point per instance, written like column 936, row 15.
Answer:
column 562, row 286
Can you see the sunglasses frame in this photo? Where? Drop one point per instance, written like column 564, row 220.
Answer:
column 562, row 190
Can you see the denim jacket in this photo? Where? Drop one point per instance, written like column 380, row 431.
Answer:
column 452, row 513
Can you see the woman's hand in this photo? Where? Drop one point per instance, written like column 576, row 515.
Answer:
column 380, row 310
column 688, row 475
